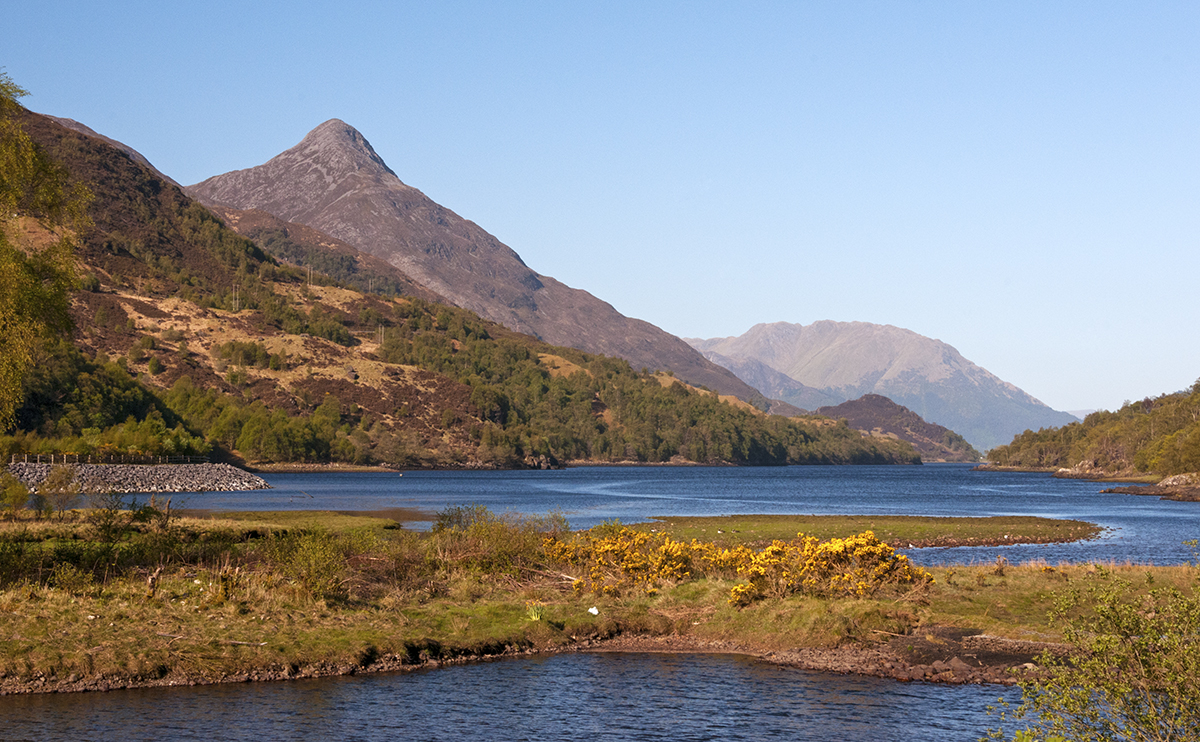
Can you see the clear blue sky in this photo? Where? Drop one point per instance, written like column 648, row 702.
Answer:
column 1018, row 179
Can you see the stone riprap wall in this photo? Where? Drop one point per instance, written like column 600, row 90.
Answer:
column 144, row 478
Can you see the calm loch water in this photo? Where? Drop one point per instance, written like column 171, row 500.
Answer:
column 1141, row 529
column 674, row 698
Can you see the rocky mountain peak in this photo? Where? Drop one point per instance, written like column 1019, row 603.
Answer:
column 332, row 160
column 333, row 181
column 341, row 148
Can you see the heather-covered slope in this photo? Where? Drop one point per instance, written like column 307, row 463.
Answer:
column 878, row 415
column 189, row 339
column 335, row 182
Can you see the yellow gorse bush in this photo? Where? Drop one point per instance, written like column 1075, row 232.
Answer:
column 856, row 566
column 624, row 558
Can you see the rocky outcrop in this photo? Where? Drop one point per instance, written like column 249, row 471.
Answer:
column 127, row 478
column 1180, row 487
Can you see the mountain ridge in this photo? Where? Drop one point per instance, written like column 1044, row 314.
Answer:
column 929, row 377
column 190, row 339
column 334, row 181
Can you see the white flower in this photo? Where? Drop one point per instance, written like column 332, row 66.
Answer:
column 594, row 611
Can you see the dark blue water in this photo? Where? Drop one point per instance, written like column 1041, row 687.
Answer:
column 1140, row 529
column 589, row 696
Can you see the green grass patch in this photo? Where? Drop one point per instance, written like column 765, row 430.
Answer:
column 307, row 520
column 897, row 530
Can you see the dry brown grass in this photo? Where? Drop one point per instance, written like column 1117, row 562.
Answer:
column 559, row 366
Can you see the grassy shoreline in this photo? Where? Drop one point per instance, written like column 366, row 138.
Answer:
column 237, row 605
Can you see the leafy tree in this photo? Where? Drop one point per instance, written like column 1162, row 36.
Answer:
column 34, row 284
column 60, row 489
column 1132, row 674
column 1159, row 434
column 14, row 492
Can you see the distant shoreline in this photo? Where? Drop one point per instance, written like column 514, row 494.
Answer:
column 1091, row 475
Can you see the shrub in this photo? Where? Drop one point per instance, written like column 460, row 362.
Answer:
column 70, row 579
column 1132, row 674
column 316, row 561
column 15, row 494
column 60, row 490
column 108, row 515
column 857, row 566
column 618, row 558
column 473, row 537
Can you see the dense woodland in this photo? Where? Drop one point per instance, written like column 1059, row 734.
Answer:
column 455, row 390
column 1158, row 435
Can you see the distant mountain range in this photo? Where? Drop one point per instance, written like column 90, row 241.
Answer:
column 333, row 181
column 845, row 360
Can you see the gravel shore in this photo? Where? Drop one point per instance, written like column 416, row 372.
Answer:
column 127, row 478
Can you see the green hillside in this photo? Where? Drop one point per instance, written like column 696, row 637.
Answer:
column 1158, row 435
column 191, row 339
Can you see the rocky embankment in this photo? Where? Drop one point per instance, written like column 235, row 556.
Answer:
column 1181, row 487
column 938, row 655
column 127, row 478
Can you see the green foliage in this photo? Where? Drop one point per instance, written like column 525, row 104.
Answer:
column 60, row 489
column 15, row 494
column 474, row 538
column 461, row 517
column 70, row 579
column 316, row 561
column 1160, row 435
column 33, row 286
column 72, row 403
column 1132, row 673
column 250, row 354
column 607, row 411
column 109, row 516
column 329, row 268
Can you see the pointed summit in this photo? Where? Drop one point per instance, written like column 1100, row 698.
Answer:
column 333, row 181
column 342, row 146
column 332, row 160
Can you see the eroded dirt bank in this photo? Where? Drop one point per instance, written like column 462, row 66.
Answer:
column 942, row 655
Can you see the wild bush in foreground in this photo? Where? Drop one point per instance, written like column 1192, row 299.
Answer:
column 1132, row 675
column 618, row 558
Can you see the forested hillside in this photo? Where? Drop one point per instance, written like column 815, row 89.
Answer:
column 191, row 339
column 1158, row 435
